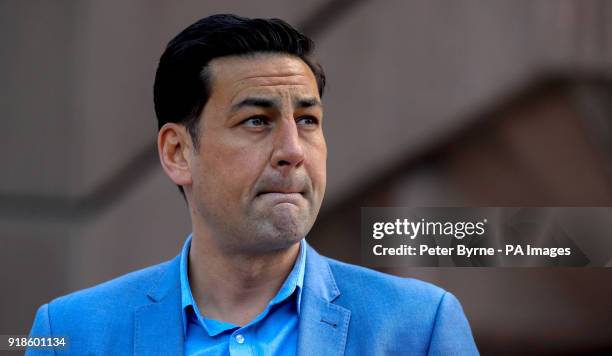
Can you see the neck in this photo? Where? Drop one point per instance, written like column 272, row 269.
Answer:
column 235, row 286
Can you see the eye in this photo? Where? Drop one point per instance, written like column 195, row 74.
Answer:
column 308, row 120
column 256, row 121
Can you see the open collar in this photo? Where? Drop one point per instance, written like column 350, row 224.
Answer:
column 323, row 325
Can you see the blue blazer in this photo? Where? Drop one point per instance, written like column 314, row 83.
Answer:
column 346, row 309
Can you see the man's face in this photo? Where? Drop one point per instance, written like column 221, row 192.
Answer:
column 259, row 173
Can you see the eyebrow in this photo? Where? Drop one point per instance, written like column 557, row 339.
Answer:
column 307, row 102
column 257, row 102
column 273, row 103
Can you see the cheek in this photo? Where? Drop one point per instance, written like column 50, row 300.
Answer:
column 231, row 171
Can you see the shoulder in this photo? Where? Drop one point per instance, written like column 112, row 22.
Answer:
column 397, row 312
column 363, row 289
column 102, row 317
column 387, row 302
column 367, row 283
column 123, row 289
column 390, row 308
column 108, row 300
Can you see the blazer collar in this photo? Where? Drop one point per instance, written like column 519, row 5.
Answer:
column 157, row 325
column 323, row 325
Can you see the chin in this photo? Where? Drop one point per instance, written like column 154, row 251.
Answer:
column 281, row 237
column 279, row 229
column 272, row 236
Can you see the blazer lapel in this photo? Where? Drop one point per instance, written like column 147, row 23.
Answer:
column 158, row 325
column 323, row 326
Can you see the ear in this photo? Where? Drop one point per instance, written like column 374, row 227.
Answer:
column 175, row 150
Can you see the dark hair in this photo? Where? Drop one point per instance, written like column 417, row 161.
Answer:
column 182, row 82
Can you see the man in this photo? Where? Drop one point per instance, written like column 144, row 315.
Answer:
column 240, row 132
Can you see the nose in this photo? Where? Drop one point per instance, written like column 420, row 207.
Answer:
column 288, row 151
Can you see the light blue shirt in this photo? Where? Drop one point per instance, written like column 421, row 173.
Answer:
column 273, row 332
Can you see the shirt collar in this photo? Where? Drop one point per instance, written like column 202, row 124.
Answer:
column 293, row 283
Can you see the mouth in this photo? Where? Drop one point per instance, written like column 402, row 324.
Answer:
column 280, row 192
column 278, row 197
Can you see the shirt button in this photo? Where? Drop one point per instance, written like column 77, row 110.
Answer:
column 240, row 339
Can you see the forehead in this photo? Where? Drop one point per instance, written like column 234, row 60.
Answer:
column 235, row 77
